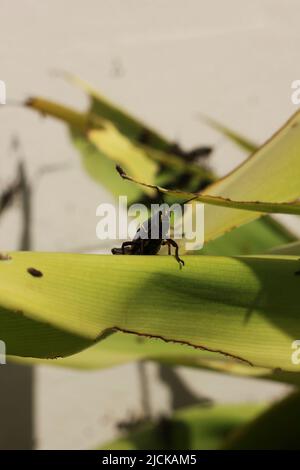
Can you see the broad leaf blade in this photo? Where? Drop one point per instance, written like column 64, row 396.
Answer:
column 201, row 428
column 127, row 124
column 271, row 174
column 268, row 181
column 122, row 151
column 277, row 428
column 292, row 207
column 258, row 236
column 102, row 169
column 101, row 146
column 243, row 307
column 122, row 348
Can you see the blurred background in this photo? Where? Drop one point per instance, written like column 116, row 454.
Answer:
column 167, row 62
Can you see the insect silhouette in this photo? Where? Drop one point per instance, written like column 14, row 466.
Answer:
column 143, row 244
column 150, row 237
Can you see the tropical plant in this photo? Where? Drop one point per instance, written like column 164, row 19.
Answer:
column 233, row 309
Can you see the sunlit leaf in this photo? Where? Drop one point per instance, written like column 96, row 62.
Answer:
column 292, row 207
column 127, row 124
column 242, row 307
column 258, row 236
column 101, row 146
column 121, row 150
column 268, row 181
column 102, row 169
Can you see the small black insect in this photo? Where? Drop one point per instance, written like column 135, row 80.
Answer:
column 35, row 272
column 143, row 244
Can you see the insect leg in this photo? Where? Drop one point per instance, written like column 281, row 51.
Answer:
column 170, row 243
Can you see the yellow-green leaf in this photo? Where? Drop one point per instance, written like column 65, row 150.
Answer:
column 268, row 181
column 121, row 150
column 264, row 207
column 245, row 307
column 127, row 124
column 102, row 146
column 197, row 427
column 277, row 428
column 271, row 174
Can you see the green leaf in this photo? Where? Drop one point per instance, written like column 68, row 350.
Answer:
column 122, row 151
column 292, row 248
column 244, row 307
column 277, row 428
column 75, row 119
column 121, row 348
column 127, row 124
column 264, row 207
column 238, row 139
column 196, row 427
column 271, row 174
column 258, row 236
column 102, row 146
column 268, row 181
column 102, row 169
column 155, row 145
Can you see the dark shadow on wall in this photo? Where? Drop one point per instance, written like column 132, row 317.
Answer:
column 17, row 381
column 16, row 407
column 180, row 394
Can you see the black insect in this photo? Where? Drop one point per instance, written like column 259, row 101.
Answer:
column 35, row 272
column 145, row 244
